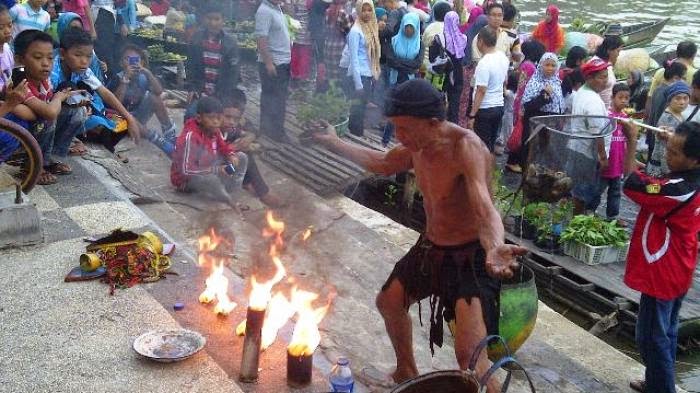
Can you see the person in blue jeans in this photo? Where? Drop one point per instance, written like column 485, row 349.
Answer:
column 663, row 250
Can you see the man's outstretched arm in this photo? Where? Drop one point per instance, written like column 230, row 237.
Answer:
column 478, row 163
column 388, row 163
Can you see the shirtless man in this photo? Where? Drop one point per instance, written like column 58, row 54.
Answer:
column 464, row 236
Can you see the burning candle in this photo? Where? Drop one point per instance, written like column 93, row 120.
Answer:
column 251, row 345
column 299, row 369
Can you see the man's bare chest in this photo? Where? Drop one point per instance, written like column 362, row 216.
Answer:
column 439, row 181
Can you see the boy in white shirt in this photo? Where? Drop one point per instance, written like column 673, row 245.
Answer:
column 489, row 77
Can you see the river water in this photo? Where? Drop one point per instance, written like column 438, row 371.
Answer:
column 684, row 25
column 684, row 14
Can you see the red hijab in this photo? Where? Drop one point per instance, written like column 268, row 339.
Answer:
column 550, row 34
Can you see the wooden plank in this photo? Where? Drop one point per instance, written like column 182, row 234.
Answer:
column 311, row 165
column 307, row 182
column 296, row 166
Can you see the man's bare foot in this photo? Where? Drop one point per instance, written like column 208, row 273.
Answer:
column 272, row 200
column 400, row 376
column 371, row 376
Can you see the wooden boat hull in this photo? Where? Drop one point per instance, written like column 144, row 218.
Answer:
column 642, row 34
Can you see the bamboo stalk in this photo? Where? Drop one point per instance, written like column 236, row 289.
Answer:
column 640, row 124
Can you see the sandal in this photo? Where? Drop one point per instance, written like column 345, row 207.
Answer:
column 45, row 178
column 122, row 158
column 638, row 385
column 77, row 148
column 58, row 168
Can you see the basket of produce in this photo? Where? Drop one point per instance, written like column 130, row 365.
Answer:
column 158, row 54
column 594, row 241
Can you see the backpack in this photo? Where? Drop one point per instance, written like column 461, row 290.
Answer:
column 442, row 64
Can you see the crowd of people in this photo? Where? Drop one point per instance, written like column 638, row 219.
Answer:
column 68, row 72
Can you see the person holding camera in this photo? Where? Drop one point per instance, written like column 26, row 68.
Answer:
column 140, row 92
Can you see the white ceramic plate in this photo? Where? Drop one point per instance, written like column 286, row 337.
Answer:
column 169, row 345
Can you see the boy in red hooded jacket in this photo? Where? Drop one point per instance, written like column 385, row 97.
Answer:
column 203, row 161
column 663, row 251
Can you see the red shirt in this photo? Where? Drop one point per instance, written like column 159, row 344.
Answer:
column 663, row 250
column 160, row 7
column 196, row 153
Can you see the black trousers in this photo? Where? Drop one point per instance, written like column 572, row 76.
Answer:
column 273, row 101
column 254, row 178
column 108, row 43
column 358, row 99
column 487, row 124
column 453, row 98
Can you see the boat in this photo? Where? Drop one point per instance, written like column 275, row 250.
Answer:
column 642, row 34
column 633, row 36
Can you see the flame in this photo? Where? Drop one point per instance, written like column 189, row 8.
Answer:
column 306, row 336
column 217, row 286
column 261, row 293
column 275, row 228
column 307, row 234
column 216, row 283
column 208, row 243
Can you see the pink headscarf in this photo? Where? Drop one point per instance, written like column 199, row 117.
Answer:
column 553, row 25
column 473, row 15
column 455, row 41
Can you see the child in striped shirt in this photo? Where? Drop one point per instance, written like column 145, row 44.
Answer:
column 29, row 16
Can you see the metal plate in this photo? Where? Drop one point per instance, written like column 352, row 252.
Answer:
column 169, row 345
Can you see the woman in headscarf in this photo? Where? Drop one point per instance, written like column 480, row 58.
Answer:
column 533, row 52
column 480, row 20
column 542, row 97
column 361, row 59
column 638, row 93
column 405, row 54
column 549, row 32
column 474, row 15
column 337, row 27
column 452, row 43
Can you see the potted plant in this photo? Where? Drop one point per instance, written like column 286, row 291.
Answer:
column 532, row 215
column 550, row 228
column 594, row 240
column 331, row 106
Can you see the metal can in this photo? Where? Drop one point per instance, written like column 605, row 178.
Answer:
column 230, row 169
column 90, row 262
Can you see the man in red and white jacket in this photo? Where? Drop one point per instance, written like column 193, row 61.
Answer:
column 203, row 161
column 663, row 251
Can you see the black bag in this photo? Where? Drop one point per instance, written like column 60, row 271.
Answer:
column 442, row 64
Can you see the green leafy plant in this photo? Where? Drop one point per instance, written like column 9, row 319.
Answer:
column 331, row 106
column 561, row 213
column 594, row 231
column 504, row 199
column 390, row 194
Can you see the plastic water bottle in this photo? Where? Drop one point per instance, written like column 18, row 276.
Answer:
column 341, row 376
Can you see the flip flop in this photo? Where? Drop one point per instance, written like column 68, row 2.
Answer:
column 120, row 157
column 77, row 148
column 58, row 168
column 638, row 385
column 45, row 179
